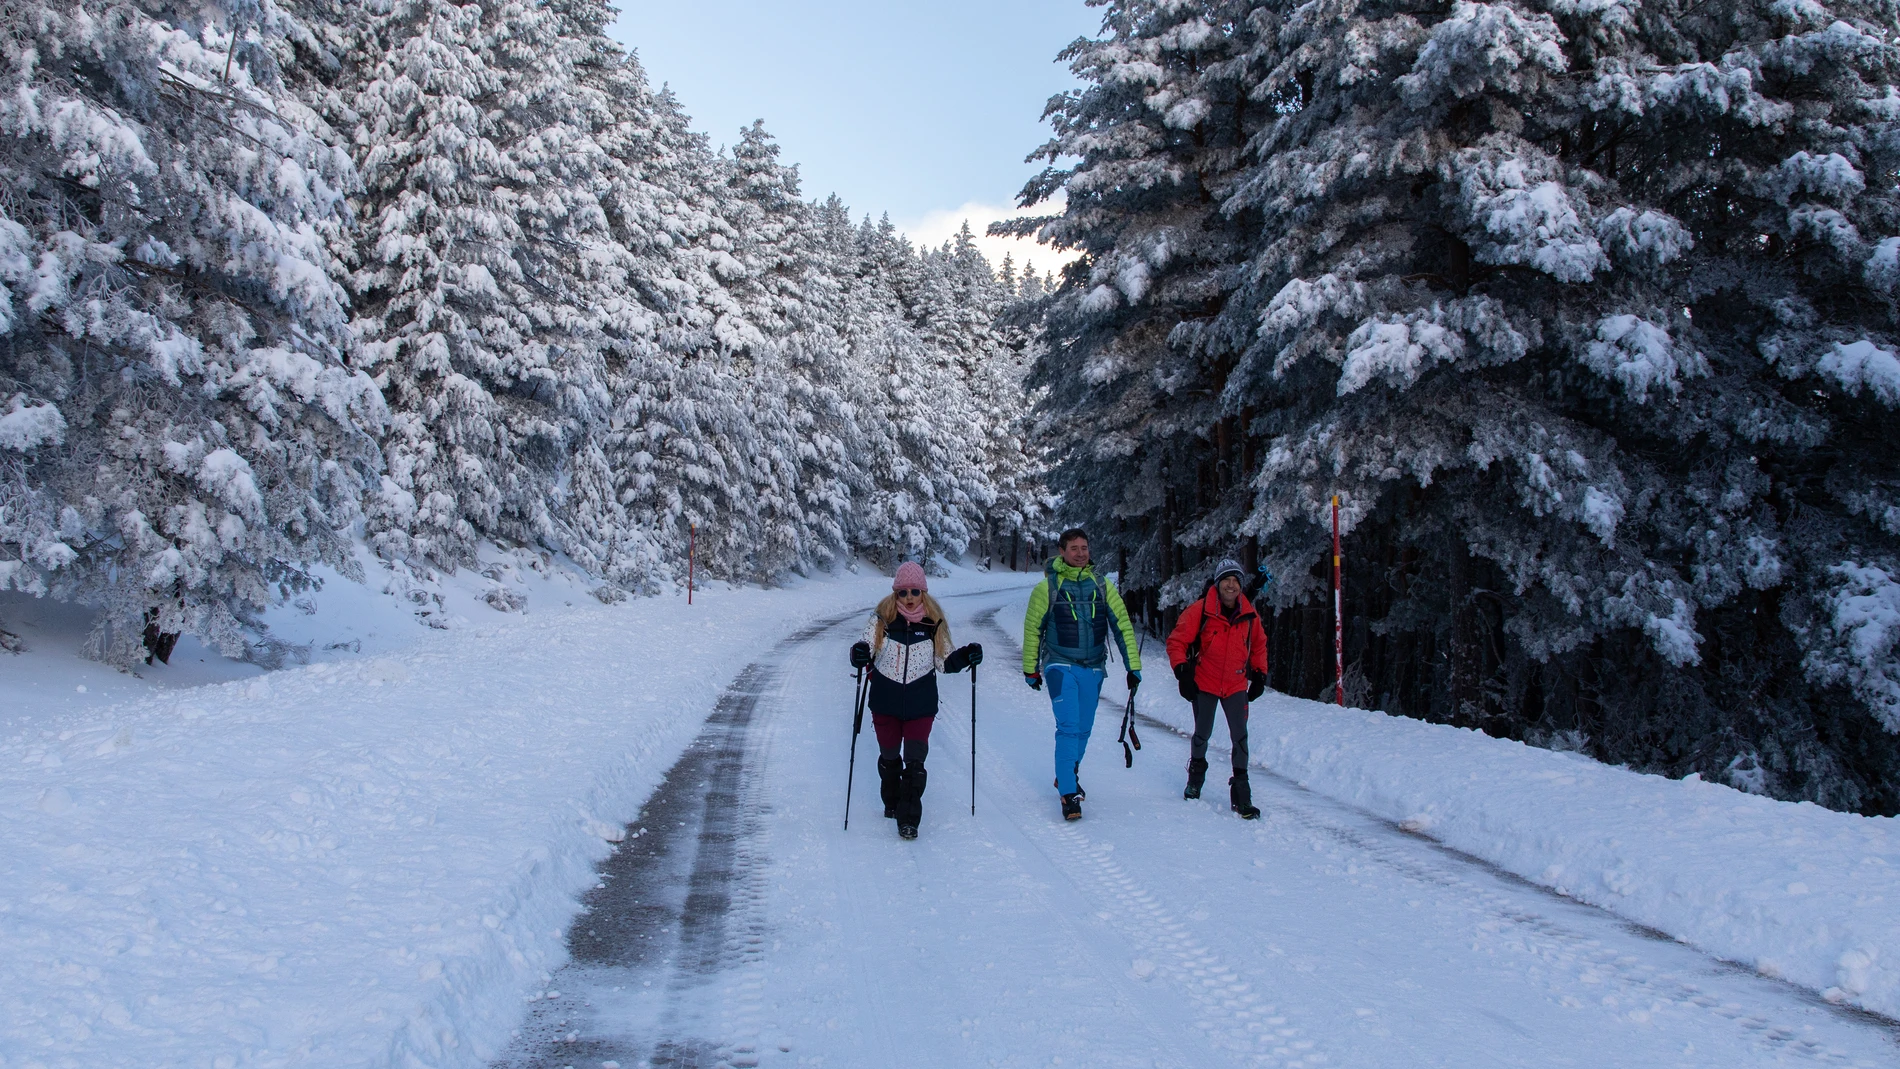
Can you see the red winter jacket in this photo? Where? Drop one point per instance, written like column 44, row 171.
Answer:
column 1228, row 648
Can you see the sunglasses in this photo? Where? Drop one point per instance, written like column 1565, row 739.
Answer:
column 914, row 592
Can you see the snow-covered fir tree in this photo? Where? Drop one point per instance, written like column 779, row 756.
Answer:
column 454, row 292
column 180, row 431
column 1585, row 310
column 1133, row 366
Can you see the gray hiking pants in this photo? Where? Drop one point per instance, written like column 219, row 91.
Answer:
column 1235, row 706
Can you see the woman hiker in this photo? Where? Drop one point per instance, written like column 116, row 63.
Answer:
column 1219, row 653
column 907, row 642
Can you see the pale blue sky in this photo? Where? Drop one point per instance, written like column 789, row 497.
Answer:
column 921, row 109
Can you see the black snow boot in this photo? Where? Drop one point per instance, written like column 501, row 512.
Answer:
column 1197, row 775
column 890, row 774
column 1072, row 807
column 910, row 800
column 1240, row 794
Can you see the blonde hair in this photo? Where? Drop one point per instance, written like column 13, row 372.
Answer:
column 887, row 612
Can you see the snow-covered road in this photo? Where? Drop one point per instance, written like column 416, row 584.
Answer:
column 741, row 926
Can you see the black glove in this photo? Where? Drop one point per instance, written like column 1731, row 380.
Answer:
column 1184, row 680
column 1034, row 679
column 1256, row 685
column 967, row 657
column 860, row 654
column 1134, row 681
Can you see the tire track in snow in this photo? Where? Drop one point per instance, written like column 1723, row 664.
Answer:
column 1586, row 959
column 689, row 873
column 1228, row 1010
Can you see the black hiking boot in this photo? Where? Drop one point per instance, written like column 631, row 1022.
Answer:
column 910, row 800
column 1080, row 794
column 1197, row 775
column 1072, row 807
column 890, row 772
column 1240, row 795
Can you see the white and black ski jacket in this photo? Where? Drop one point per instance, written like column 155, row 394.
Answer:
column 904, row 668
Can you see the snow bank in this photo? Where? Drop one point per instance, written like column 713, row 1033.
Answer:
column 1790, row 889
column 1793, row 890
column 365, row 861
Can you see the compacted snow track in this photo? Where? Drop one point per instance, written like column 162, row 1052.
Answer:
column 740, row 926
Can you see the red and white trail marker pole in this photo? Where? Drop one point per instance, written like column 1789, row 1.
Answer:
column 1339, row 625
column 692, row 545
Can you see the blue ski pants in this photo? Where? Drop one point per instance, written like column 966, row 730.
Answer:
column 1073, row 693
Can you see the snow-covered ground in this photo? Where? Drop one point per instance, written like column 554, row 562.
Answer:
column 377, row 859
column 1791, row 890
column 364, row 861
column 745, row 927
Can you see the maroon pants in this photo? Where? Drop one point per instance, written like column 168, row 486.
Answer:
column 913, row 734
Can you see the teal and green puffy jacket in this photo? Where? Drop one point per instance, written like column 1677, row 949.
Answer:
column 1068, row 622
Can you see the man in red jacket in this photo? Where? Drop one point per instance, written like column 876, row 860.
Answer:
column 1219, row 653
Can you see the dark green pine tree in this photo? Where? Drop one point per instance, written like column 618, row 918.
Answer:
column 1587, row 313
column 1137, row 345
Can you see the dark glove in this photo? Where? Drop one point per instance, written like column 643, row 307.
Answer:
column 860, row 654
column 1256, row 685
column 1034, row 679
column 1134, row 681
column 1184, row 680
column 968, row 657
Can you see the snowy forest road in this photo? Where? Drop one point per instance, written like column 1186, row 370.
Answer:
column 739, row 926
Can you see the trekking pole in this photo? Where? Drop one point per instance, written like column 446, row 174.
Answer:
column 857, row 725
column 973, row 740
column 1128, row 721
column 1128, row 734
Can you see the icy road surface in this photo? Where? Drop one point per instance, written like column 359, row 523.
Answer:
column 739, row 925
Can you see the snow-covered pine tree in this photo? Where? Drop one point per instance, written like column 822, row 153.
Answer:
column 483, row 182
column 441, row 232
column 179, row 429
column 796, row 306
column 978, row 323
column 1137, row 350
column 1586, row 310
column 928, row 484
column 693, row 431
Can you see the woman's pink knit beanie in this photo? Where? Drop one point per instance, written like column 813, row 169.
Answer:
column 910, row 576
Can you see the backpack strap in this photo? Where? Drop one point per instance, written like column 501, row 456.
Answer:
column 1194, row 647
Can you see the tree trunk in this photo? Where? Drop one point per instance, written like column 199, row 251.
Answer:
column 1466, row 640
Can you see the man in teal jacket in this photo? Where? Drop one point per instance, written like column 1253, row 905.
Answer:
column 1071, row 615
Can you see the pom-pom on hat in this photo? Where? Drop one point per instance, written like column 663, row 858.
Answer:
column 910, row 576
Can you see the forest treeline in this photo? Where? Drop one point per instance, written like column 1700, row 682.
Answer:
column 279, row 276
column 1585, row 310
